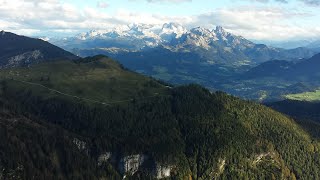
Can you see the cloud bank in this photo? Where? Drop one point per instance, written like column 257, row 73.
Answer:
column 33, row 17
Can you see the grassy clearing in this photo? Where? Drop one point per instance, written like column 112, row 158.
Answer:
column 307, row 96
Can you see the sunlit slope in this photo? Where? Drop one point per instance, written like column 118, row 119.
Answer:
column 97, row 80
column 307, row 96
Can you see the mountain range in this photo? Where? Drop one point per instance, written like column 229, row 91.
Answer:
column 287, row 44
column 273, row 80
column 303, row 70
column 215, row 46
column 315, row 45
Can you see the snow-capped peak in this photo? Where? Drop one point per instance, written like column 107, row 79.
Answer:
column 88, row 35
column 221, row 31
column 108, row 33
column 136, row 29
column 170, row 31
column 200, row 31
column 142, row 31
column 164, row 33
column 168, row 34
column 170, row 28
column 204, row 33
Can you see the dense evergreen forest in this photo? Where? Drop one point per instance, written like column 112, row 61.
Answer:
column 305, row 113
column 198, row 134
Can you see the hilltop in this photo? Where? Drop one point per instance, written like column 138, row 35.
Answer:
column 18, row 50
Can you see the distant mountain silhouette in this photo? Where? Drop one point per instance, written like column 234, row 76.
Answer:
column 306, row 69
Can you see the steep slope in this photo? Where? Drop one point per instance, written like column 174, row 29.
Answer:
column 305, row 113
column 22, row 51
column 156, row 131
column 302, row 110
column 31, row 148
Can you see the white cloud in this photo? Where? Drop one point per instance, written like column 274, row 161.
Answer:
column 102, row 4
column 265, row 22
column 173, row 1
column 53, row 14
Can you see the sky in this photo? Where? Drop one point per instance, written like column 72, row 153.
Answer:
column 274, row 20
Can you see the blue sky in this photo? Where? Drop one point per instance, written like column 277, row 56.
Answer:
column 253, row 19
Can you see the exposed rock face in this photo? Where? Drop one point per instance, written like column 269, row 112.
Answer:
column 15, row 173
column 216, row 172
column 104, row 158
column 25, row 59
column 81, row 145
column 163, row 171
column 131, row 164
column 221, row 165
column 260, row 157
column 19, row 51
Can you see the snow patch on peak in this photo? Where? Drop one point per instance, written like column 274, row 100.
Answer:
column 222, row 33
column 142, row 31
column 107, row 33
column 201, row 31
column 170, row 31
column 171, row 25
column 136, row 29
column 204, row 35
column 44, row 38
column 220, row 30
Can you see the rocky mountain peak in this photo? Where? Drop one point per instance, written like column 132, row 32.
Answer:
column 171, row 25
column 170, row 31
column 136, row 29
column 200, row 31
column 220, row 30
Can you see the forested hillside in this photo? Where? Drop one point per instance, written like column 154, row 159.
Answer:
column 144, row 130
